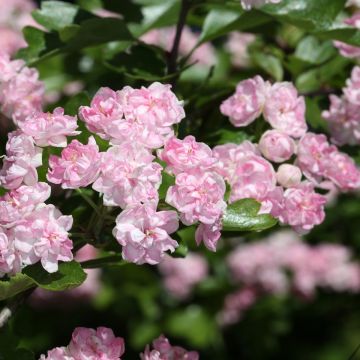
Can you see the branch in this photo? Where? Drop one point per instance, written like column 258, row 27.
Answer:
column 173, row 56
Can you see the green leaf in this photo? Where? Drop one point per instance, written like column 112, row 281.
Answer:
column 55, row 15
column 243, row 216
column 73, row 105
column 270, row 64
column 69, row 275
column 224, row 19
column 15, row 285
column 167, row 181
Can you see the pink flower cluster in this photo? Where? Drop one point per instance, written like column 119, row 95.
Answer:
column 15, row 15
column 263, row 267
column 283, row 193
column 248, row 4
column 101, row 344
column 237, row 45
column 21, row 92
column 343, row 116
column 144, row 116
column 182, row 274
column 198, row 193
column 164, row 38
column 347, row 50
column 280, row 105
column 32, row 231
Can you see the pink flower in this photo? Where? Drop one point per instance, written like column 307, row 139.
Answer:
column 254, row 178
column 237, row 45
column 288, row 175
column 285, row 110
column 276, row 146
column 128, row 176
column 78, row 166
column 198, row 196
column 181, row 275
column 43, row 235
column 50, row 129
column 10, row 262
column 144, row 233
column 248, row 4
column 247, row 103
column 163, row 350
column 8, row 68
column 104, row 114
column 149, row 114
column 347, row 50
column 99, row 344
column 209, row 234
column 11, row 40
column 352, row 90
column 20, row 144
column 186, row 154
column 59, row 353
column 18, row 203
column 303, row 208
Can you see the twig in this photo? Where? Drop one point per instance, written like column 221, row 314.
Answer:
column 173, row 56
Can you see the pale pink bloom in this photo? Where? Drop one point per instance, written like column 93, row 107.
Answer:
column 352, row 89
column 343, row 118
column 303, row 208
column 163, row 350
column 22, row 95
column 312, row 154
column 237, row 45
column 209, row 234
column 342, row 170
column 18, row 203
column 144, row 233
column 254, row 178
column 186, row 154
column 276, row 146
column 13, row 12
column 229, row 155
column 78, row 166
column 248, row 4
column 10, row 262
column 164, row 38
column 20, row 145
column 149, row 115
column 104, row 114
column 99, row 344
column 59, row 353
column 350, row 51
column 43, row 235
column 247, row 103
column 198, row 196
column 288, row 175
column 182, row 275
column 285, row 110
column 11, row 40
column 9, row 68
column 50, row 129
column 128, row 176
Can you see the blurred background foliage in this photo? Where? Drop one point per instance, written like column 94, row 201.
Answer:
column 293, row 43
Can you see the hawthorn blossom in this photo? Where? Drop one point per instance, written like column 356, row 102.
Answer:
column 237, row 45
column 276, row 146
column 350, row 51
column 144, row 233
column 128, row 176
column 10, row 262
column 18, row 203
column 181, row 275
column 198, row 196
column 104, row 114
column 186, row 154
column 285, row 110
column 247, row 103
column 43, row 235
column 95, row 344
column 59, row 353
column 248, row 4
column 50, row 129
column 288, row 175
column 163, row 350
column 303, row 208
column 209, row 234
column 78, row 166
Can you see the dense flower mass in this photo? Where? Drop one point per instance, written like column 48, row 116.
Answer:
column 238, row 45
column 144, row 233
column 284, row 263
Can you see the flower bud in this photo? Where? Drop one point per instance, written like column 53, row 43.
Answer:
column 288, row 175
column 276, row 146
